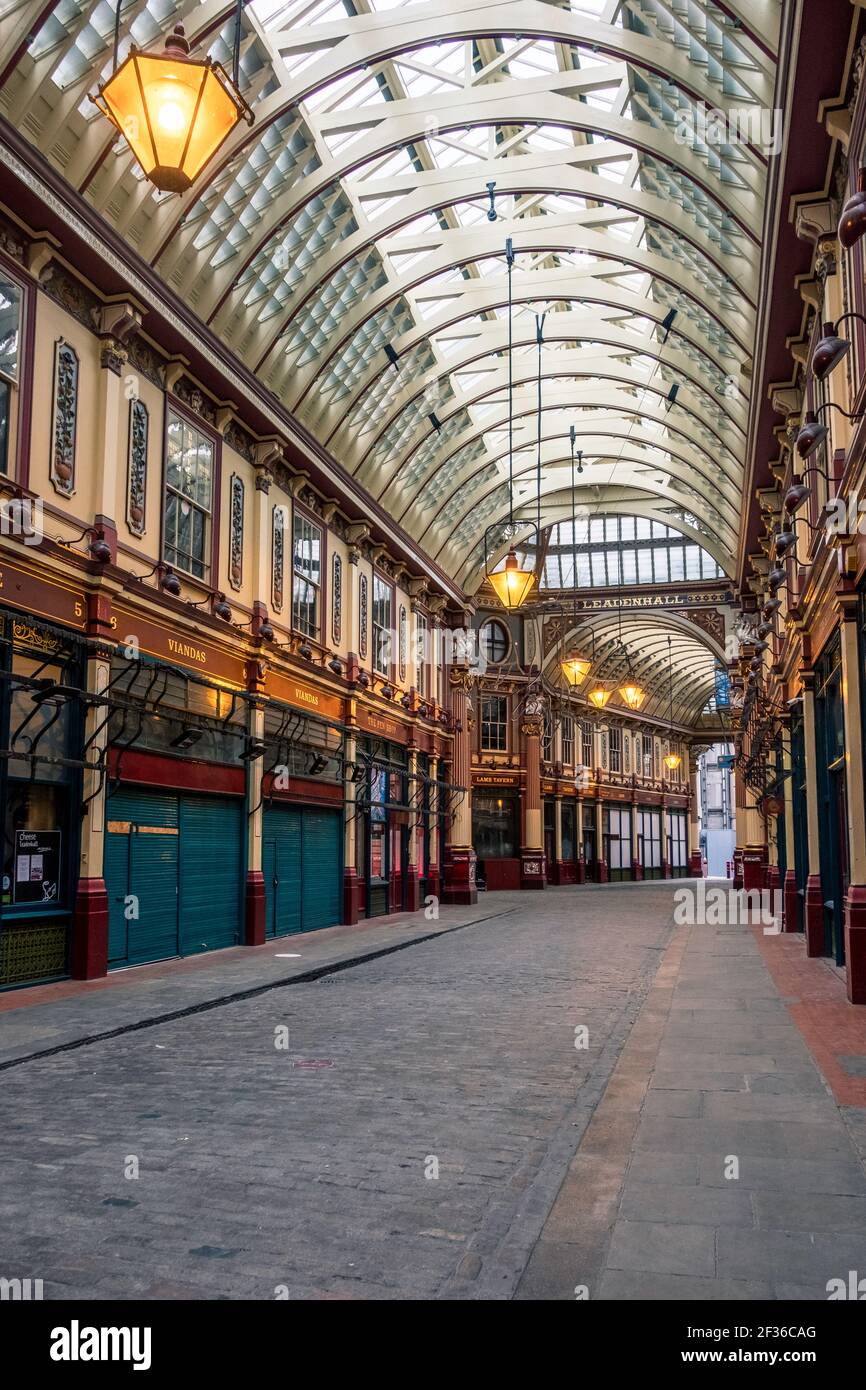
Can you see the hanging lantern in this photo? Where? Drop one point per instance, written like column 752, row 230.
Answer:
column 174, row 111
column 575, row 668
column 633, row 694
column 513, row 585
column 672, row 761
column 599, row 696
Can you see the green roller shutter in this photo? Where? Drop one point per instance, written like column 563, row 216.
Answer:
column 321, row 871
column 141, row 865
column 281, row 866
column 211, row 844
column 301, row 868
column 176, row 864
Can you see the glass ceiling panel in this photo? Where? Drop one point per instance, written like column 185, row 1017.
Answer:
column 354, row 216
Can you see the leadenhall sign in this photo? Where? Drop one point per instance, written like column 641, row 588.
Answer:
column 678, row 600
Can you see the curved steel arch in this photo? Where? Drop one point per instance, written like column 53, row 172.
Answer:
column 565, row 365
column 645, row 637
column 218, row 305
column 364, row 41
column 624, row 463
column 530, row 241
column 555, row 331
column 619, row 302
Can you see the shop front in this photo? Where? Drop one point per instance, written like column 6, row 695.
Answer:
column 302, row 809
column 616, row 839
column 677, row 843
column 42, row 672
column 496, row 829
column 175, row 810
column 589, row 845
column 649, row 840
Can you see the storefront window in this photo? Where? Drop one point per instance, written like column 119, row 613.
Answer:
column 40, row 722
column 494, row 825
column 568, row 827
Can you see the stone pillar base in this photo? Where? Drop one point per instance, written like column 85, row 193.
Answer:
column 603, row 872
column 667, row 871
column 777, row 906
column 255, row 913
column 754, row 865
column 434, row 881
column 351, row 897
column 814, row 916
column 532, row 868
column 413, row 891
column 459, row 887
column 855, row 943
column 636, row 871
column 581, row 870
column 90, row 930
column 791, row 901
column 696, row 865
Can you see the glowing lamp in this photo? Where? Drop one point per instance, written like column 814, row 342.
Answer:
column 599, row 697
column 575, row 668
column 174, row 111
column 672, row 761
column 632, row 694
column 512, row 584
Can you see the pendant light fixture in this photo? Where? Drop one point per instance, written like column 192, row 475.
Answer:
column 630, row 692
column 574, row 665
column 672, row 759
column 174, row 111
column 600, row 694
column 513, row 584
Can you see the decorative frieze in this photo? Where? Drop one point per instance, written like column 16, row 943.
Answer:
column 236, row 532
column 136, row 467
column 402, row 643
column 337, row 599
column 278, row 558
column 65, row 417
column 363, row 604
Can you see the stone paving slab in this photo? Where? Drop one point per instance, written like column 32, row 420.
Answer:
column 740, row 1176
column 306, row 1166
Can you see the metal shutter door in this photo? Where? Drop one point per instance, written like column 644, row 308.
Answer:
column 282, row 869
column 321, row 869
column 142, row 861
column 211, row 849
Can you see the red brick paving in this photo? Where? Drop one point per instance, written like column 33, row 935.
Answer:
column 815, row 995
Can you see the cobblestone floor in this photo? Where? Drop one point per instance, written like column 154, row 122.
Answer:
column 306, row 1170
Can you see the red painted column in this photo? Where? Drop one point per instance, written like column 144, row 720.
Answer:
column 855, row 942
column 790, row 894
column 255, row 909
column 90, row 930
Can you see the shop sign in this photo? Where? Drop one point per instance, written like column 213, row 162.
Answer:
column 496, row 779
column 303, row 696
column 37, row 866
column 380, row 724
column 45, row 598
column 179, row 649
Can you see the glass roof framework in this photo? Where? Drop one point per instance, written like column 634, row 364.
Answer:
column 354, row 214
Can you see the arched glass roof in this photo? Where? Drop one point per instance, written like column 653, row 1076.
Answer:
column 354, row 217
